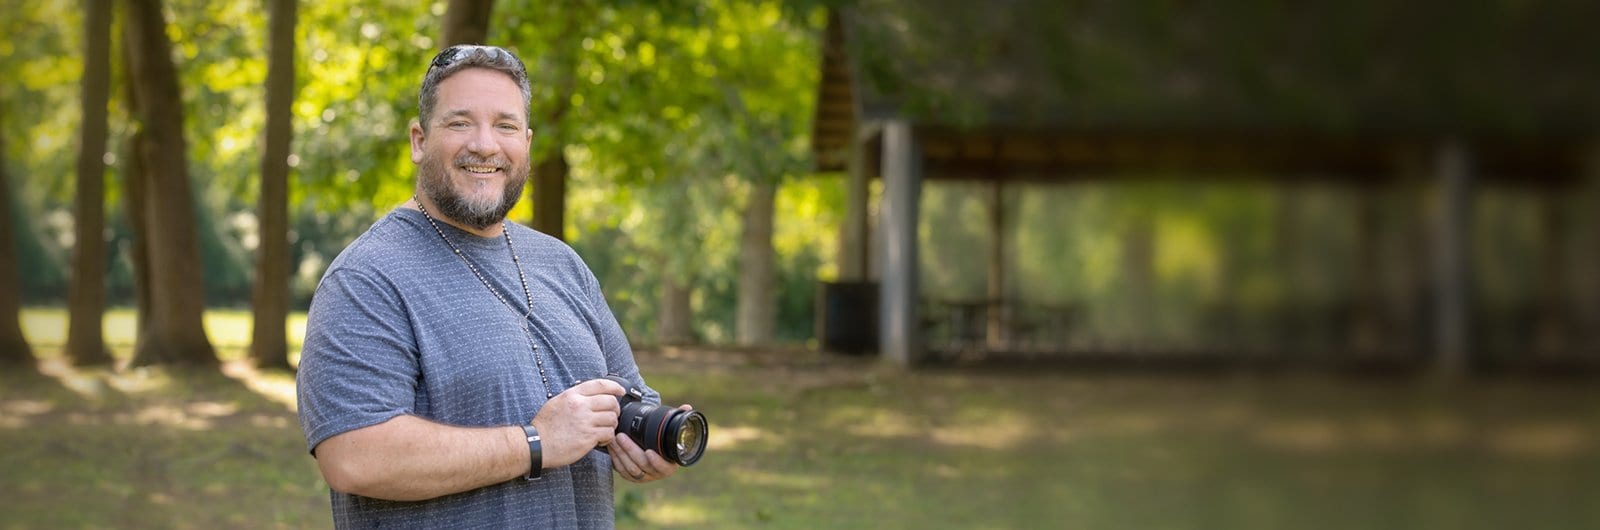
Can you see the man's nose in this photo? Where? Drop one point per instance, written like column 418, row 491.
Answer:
column 483, row 142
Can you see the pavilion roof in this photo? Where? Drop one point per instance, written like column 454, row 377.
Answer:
column 1348, row 71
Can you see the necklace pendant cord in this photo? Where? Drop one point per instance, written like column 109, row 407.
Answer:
column 527, row 319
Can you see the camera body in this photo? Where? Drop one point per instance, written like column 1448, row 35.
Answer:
column 676, row 434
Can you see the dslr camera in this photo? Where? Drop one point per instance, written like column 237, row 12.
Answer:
column 675, row 434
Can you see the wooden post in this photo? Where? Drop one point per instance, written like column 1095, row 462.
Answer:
column 899, row 336
column 1587, row 285
column 1550, row 331
column 1452, row 274
column 1365, row 336
column 997, row 336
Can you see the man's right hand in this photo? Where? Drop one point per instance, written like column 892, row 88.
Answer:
column 578, row 420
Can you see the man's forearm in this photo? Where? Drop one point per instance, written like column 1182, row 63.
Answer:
column 408, row 458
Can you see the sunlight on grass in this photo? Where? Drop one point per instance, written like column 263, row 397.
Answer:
column 1001, row 430
column 275, row 386
column 825, row 444
column 732, row 436
column 229, row 330
column 769, row 479
column 675, row 514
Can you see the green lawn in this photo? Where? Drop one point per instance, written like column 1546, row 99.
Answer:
column 802, row 440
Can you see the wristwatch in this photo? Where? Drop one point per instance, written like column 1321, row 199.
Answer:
column 535, row 453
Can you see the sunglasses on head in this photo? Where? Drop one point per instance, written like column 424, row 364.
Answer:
column 451, row 54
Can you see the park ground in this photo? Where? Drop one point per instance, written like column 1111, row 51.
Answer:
column 809, row 440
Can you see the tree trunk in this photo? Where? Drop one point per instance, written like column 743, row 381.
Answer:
column 549, row 181
column 756, row 257
column 269, row 344
column 1142, row 317
column 133, row 203
column 171, row 332
column 467, row 22
column 673, row 321
column 133, row 199
column 550, row 194
column 13, row 346
column 87, row 295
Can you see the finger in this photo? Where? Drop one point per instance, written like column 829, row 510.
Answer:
column 685, row 406
column 603, row 403
column 618, row 463
column 627, row 457
column 595, row 387
column 657, row 466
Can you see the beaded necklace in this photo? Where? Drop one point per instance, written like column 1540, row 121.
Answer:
column 506, row 231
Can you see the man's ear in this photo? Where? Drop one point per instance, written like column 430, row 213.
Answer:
column 416, row 142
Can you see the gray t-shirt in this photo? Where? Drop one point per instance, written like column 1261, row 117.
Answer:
column 400, row 325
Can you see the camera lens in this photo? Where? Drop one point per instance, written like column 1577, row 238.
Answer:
column 675, row 434
column 690, row 427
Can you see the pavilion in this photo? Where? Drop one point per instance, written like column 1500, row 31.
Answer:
column 1371, row 94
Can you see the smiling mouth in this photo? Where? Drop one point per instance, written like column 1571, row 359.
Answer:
column 481, row 170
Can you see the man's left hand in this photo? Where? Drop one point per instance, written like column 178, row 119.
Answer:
column 636, row 464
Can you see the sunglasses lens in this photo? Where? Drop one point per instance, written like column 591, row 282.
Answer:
column 449, row 55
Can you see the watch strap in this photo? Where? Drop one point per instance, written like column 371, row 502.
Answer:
column 535, row 453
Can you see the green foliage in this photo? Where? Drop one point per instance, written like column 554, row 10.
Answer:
column 669, row 110
column 38, row 110
column 666, row 111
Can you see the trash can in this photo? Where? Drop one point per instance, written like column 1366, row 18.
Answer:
column 847, row 317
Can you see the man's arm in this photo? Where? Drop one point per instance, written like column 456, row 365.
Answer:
column 409, row 458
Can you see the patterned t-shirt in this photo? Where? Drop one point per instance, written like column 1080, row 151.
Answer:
column 400, row 325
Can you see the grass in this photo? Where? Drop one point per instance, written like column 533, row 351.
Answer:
column 803, row 440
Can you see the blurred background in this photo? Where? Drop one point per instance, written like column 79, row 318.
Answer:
column 1267, row 182
column 1002, row 194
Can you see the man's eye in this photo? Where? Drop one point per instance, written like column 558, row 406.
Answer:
column 509, row 127
column 457, row 125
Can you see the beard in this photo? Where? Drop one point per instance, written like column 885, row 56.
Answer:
column 475, row 210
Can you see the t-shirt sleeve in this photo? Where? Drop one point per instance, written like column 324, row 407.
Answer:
column 358, row 366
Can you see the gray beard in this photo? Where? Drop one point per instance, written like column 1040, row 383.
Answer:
column 434, row 176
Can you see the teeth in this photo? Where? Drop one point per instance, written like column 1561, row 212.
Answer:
column 480, row 169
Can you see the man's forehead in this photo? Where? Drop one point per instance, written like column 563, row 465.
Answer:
column 480, row 85
column 469, row 96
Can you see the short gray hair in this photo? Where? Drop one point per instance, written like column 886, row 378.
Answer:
column 461, row 57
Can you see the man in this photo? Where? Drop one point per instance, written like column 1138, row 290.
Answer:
column 450, row 373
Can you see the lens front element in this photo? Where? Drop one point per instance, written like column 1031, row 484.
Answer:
column 690, row 427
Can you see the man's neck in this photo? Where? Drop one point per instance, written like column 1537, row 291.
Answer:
column 431, row 210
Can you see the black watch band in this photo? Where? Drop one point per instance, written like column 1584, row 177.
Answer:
column 535, row 453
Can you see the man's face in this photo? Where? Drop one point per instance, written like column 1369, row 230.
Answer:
column 473, row 159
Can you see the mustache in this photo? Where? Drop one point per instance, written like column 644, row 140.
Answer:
column 474, row 160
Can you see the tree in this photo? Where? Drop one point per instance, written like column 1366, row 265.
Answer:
column 695, row 91
column 87, row 298
column 554, row 74
column 13, row 346
column 467, row 22
column 171, row 332
column 760, row 105
column 757, row 276
column 269, row 345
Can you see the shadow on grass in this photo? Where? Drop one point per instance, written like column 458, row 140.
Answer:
column 152, row 448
